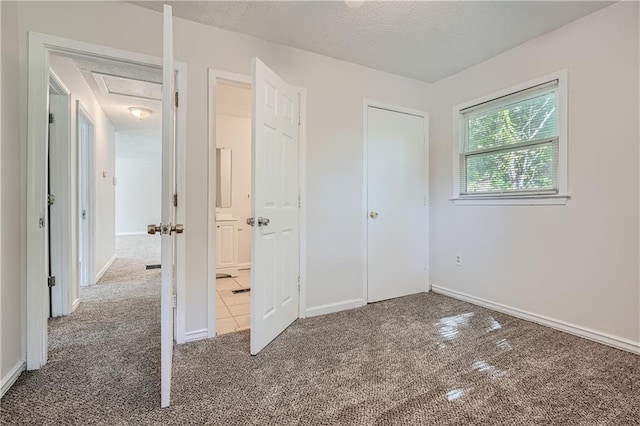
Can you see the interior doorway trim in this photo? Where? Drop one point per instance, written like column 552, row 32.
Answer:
column 39, row 48
column 365, row 185
column 214, row 76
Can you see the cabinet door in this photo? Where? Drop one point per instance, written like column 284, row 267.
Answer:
column 226, row 238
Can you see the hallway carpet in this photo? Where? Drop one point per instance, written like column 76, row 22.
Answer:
column 418, row 360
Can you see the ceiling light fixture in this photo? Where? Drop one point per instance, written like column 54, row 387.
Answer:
column 140, row 113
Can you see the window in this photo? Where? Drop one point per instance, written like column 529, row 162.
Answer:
column 511, row 145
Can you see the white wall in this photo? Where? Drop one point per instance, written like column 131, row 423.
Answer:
column 235, row 133
column 335, row 91
column 104, row 161
column 139, row 177
column 13, row 273
column 576, row 263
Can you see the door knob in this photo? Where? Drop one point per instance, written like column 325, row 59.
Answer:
column 263, row 221
column 177, row 228
column 373, row 215
column 251, row 221
column 152, row 229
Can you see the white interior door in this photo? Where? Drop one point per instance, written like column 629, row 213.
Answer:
column 396, row 193
column 167, row 215
column 275, row 258
column 85, row 137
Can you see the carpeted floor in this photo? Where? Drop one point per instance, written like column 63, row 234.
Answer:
column 418, row 360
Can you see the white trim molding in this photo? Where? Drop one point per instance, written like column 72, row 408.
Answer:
column 105, row 268
column 330, row 308
column 596, row 336
column 12, row 376
column 192, row 336
column 127, row 234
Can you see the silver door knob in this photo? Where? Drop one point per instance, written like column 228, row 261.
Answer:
column 263, row 221
column 251, row 221
column 177, row 228
column 373, row 215
column 152, row 229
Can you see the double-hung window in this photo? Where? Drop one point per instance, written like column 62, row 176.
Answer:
column 510, row 146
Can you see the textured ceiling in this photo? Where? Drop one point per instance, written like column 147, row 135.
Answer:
column 422, row 40
column 116, row 107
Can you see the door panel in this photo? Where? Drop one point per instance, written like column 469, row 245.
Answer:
column 396, row 193
column 167, row 214
column 275, row 260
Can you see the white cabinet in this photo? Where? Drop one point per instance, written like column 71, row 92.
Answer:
column 227, row 247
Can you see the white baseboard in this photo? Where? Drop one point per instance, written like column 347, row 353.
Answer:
column 12, row 376
column 74, row 305
column 330, row 308
column 192, row 336
column 105, row 267
column 596, row 336
column 125, row 234
column 244, row 265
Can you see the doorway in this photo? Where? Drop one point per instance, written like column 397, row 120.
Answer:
column 396, row 201
column 276, row 226
column 85, row 215
column 42, row 50
column 233, row 205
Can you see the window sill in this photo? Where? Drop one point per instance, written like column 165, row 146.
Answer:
column 514, row 200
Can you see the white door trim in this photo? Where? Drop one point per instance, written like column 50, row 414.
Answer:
column 37, row 305
column 365, row 185
column 214, row 76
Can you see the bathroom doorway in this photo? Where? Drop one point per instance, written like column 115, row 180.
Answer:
column 233, row 205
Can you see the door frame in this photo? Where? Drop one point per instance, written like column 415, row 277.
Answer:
column 215, row 75
column 83, row 114
column 365, row 188
column 40, row 46
column 61, row 262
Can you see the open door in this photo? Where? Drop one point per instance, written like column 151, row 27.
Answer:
column 275, row 254
column 167, row 229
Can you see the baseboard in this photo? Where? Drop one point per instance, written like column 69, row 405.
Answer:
column 12, row 376
column 192, row 336
column 244, row 265
column 330, row 308
column 75, row 304
column 104, row 269
column 125, row 234
column 596, row 336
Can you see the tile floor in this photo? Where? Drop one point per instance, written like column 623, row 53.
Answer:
column 233, row 310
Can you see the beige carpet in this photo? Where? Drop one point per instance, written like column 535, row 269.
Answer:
column 418, row 360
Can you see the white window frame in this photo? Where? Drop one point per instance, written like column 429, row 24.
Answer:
column 562, row 196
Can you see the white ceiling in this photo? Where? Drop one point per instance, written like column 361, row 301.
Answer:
column 132, row 78
column 422, row 40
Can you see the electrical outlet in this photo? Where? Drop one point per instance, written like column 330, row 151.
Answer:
column 458, row 260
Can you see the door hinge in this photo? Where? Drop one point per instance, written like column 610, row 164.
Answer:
column 299, row 118
column 51, row 281
column 175, row 200
column 298, row 283
column 299, row 204
column 52, row 119
column 51, row 199
column 425, row 200
column 177, row 98
column 175, row 300
column 41, row 222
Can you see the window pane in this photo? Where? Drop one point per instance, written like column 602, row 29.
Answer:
column 528, row 120
column 514, row 169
